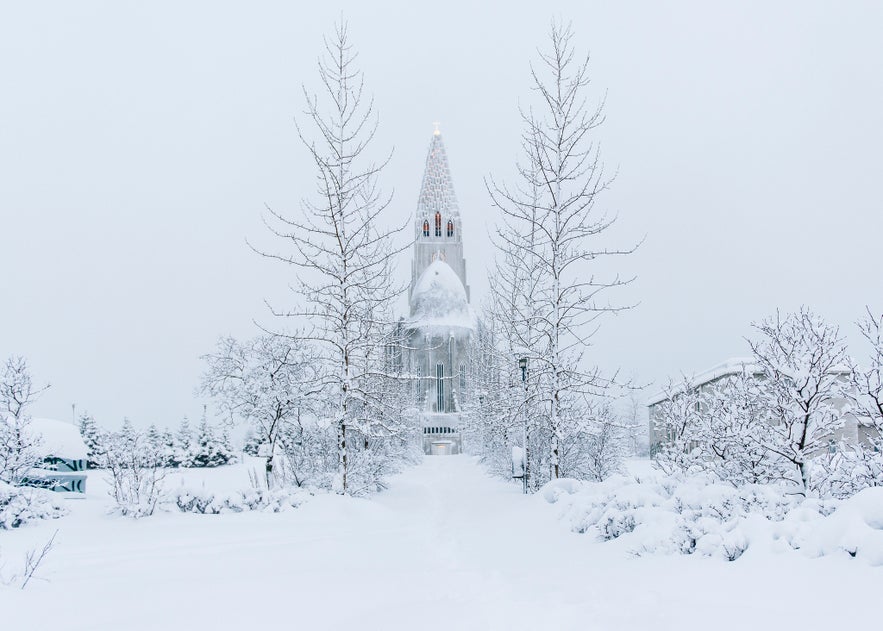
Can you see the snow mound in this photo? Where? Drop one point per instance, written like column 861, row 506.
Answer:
column 855, row 528
column 439, row 299
column 697, row 516
column 57, row 438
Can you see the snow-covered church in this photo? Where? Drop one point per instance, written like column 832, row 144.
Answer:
column 441, row 326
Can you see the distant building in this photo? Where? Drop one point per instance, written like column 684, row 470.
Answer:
column 851, row 432
column 441, row 325
column 63, row 453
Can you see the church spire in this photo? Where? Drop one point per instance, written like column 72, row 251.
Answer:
column 439, row 231
column 437, row 191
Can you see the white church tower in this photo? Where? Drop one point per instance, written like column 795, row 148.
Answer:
column 441, row 324
column 437, row 226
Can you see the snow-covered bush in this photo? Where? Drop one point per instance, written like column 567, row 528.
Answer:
column 852, row 527
column 136, row 474
column 669, row 516
column 306, row 455
column 253, row 499
column 698, row 516
column 371, row 467
column 19, row 506
column 848, row 469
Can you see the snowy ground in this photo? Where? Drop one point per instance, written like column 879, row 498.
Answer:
column 445, row 547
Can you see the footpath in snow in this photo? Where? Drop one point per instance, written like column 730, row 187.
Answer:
column 445, row 547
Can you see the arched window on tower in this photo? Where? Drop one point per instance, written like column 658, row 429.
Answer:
column 450, row 228
column 438, row 224
column 425, row 227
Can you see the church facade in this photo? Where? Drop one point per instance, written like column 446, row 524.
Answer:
column 441, row 325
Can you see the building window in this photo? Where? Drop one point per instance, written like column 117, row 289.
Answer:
column 450, row 228
column 425, row 227
column 438, row 224
column 440, row 386
column 418, row 384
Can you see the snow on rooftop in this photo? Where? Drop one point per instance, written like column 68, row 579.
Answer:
column 732, row 366
column 58, row 438
column 439, row 299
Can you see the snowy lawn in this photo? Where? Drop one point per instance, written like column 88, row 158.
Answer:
column 445, row 547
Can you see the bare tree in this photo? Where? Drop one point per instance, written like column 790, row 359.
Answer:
column 493, row 419
column 551, row 224
column 18, row 446
column 677, row 420
column 266, row 382
column 635, row 424
column 605, row 443
column 343, row 253
column 868, row 381
column 806, row 375
column 34, row 558
column 17, row 390
column 861, row 465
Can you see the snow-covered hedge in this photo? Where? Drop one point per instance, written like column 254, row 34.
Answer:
column 209, row 503
column 697, row 516
column 21, row 505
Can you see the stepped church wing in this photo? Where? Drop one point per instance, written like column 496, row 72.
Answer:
column 441, row 325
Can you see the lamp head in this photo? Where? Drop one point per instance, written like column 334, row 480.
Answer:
column 522, row 364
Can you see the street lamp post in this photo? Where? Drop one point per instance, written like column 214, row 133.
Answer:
column 522, row 364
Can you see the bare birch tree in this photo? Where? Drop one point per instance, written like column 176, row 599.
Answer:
column 337, row 243
column 553, row 227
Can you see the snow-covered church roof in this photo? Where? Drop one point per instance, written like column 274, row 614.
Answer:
column 439, row 299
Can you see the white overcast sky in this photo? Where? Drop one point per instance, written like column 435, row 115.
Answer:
column 139, row 142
